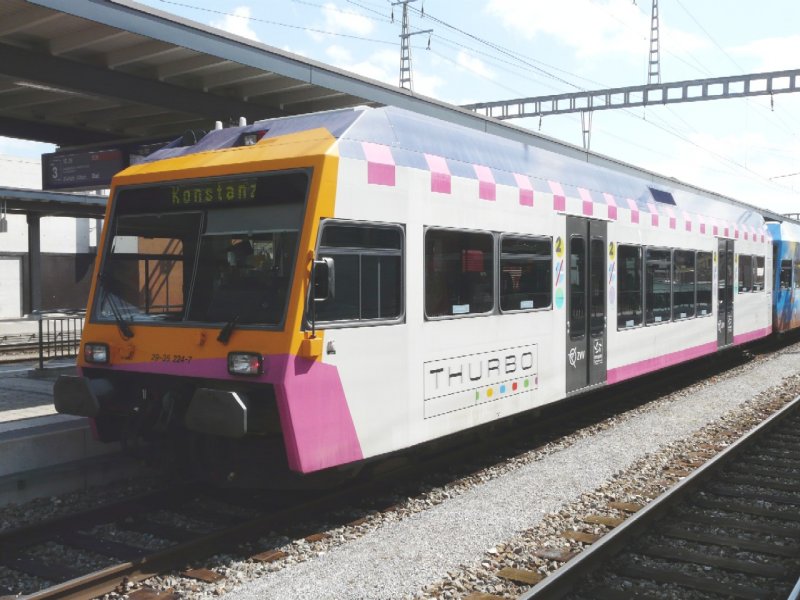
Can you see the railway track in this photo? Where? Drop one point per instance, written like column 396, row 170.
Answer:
column 11, row 352
column 97, row 562
column 730, row 529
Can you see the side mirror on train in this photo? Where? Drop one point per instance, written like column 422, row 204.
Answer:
column 324, row 279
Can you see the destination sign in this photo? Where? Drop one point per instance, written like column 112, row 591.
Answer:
column 274, row 188
column 220, row 192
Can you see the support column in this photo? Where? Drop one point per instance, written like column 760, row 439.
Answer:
column 34, row 262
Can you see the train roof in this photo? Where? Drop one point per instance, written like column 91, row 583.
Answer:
column 411, row 136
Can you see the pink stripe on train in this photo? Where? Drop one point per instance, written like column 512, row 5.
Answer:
column 611, row 203
column 588, row 204
column 659, row 362
column 525, row 189
column 380, row 164
column 486, row 184
column 634, row 210
column 743, row 338
column 559, row 198
column 440, row 174
column 673, row 358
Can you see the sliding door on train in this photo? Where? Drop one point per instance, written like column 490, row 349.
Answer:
column 725, row 293
column 586, row 303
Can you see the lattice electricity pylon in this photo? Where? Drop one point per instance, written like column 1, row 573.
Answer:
column 654, row 63
column 405, row 46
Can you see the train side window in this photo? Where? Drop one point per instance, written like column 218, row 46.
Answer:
column 745, row 273
column 597, row 287
column 797, row 275
column 704, row 276
column 758, row 274
column 658, row 283
column 368, row 271
column 683, row 284
column 459, row 272
column 525, row 273
column 577, row 287
column 629, row 280
column 786, row 275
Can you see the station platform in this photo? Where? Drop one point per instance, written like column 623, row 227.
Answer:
column 42, row 452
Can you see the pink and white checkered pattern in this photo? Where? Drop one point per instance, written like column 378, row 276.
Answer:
column 525, row 189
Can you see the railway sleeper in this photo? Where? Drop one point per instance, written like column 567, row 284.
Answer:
column 765, row 482
column 171, row 533
column 694, row 582
column 677, row 532
column 748, row 509
column 52, row 572
column 779, row 451
column 787, row 473
column 760, row 494
column 783, row 463
column 728, row 564
column 110, row 548
column 741, row 525
column 611, row 593
column 781, row 442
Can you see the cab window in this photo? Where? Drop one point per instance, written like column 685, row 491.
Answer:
column 368, row 261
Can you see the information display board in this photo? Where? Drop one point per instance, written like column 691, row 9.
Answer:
column 93, row 168
column 81, row 170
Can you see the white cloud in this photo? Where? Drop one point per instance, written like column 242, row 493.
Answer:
column 474, row 65
column 381, row 65
column 338, row 54
column 592, row 27
column 429, row 85
column 771, row 54
column 237, row 23
column 342, row 20
column 346, row 20
column 384, row 66
column 747, row 180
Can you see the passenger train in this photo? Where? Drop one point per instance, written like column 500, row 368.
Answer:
column 360, row 281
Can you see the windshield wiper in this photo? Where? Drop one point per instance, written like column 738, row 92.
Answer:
column 225, row 332
column 110, row 297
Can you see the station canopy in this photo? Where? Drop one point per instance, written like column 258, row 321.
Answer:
column 78, row 72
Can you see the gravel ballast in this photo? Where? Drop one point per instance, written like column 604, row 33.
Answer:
column 401, row 558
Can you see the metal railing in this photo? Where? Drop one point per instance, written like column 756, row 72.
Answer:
column 59, row 335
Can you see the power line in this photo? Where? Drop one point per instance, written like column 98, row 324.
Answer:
column 709, row 36
column 279, row 24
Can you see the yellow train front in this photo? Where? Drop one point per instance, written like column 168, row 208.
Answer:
column 196, row 315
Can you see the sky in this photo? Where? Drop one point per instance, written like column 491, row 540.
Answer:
column 485, row 50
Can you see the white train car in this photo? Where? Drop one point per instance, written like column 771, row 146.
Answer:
column 474, row 277
column 529, row 277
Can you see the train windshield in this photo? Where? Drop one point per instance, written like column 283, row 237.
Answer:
column 212, row 251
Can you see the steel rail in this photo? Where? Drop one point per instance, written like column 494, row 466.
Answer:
column 564, row 580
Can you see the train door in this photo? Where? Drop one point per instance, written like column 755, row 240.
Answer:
column 725, row 294
column 586, row 303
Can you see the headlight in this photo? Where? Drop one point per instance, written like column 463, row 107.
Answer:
column 95, row 353
column 245, row 363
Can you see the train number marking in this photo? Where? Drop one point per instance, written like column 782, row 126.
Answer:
column 170, row 358
column 559, row 247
